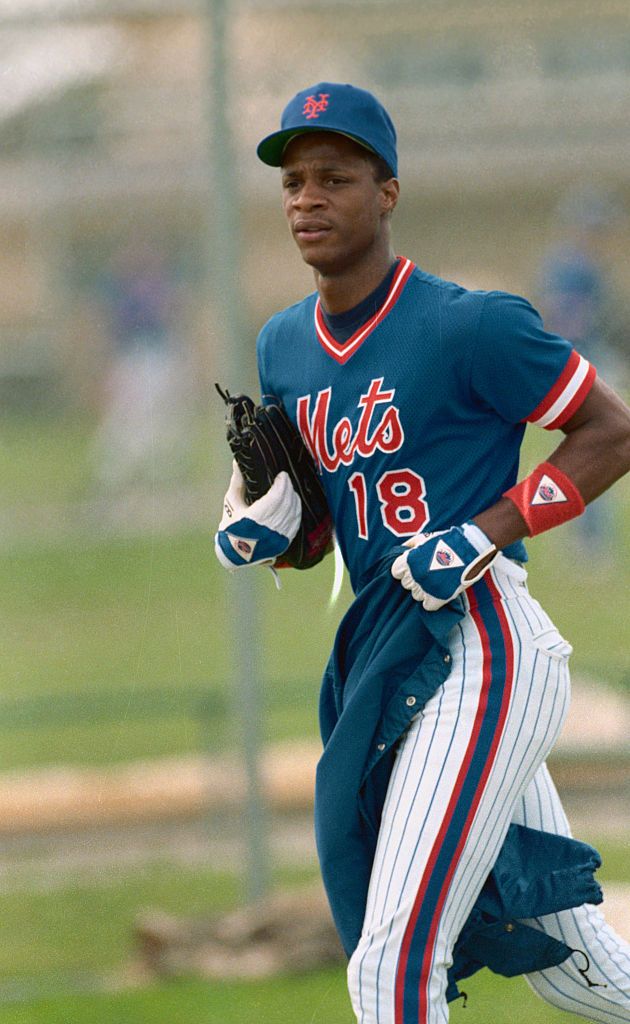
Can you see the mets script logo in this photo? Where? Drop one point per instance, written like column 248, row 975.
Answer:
column 338, row 447
column 313, row 107
column 547, row 492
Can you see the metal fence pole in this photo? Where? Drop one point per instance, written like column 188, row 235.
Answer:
column 233, row 360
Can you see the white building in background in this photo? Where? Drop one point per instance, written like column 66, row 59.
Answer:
column 500, row 107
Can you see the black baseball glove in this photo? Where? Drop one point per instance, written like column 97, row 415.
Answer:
column 265, row 442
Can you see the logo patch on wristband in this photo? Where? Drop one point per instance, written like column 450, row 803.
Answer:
column 548, row 492
column 445, row 558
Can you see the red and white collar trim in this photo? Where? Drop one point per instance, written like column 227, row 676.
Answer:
column 342, row 351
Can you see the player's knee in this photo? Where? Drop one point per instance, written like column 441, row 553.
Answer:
column 353, row 983
column 551, row 994
column 565, row 994
column 369, row 984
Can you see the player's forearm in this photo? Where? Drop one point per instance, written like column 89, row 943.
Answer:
column 593, row 455
column 596, row 451
column 502, row 523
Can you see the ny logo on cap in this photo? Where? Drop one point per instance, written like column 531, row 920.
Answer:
column 313, row 107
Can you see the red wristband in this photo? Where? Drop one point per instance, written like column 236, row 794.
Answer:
column 546, row 498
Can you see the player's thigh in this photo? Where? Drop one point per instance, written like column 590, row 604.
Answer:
column 459, row 771
column 537, row 691
column 540, row 805
column 494, row 720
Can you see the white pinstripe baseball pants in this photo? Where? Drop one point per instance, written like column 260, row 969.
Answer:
column 471, row 762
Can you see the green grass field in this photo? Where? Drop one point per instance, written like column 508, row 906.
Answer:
column 92, row 627
column 98, row 612
column 101, row 621
column 82, row 935
column 310, row 999
column 105, row 622
column 85, row 925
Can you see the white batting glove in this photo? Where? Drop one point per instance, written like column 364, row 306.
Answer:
column 441, row 565
column 257, row 534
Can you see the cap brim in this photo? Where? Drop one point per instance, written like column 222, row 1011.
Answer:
column 271, row 149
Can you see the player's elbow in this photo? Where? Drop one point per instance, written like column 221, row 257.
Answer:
column 624, row 447
column 605, row 428
column 620, row 431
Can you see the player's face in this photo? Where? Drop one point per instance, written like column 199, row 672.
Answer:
column 337, row 211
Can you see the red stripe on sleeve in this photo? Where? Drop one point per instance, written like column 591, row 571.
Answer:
column 558, row 387
column 576, row 401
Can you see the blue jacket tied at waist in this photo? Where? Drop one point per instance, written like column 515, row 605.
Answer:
column 389, row 658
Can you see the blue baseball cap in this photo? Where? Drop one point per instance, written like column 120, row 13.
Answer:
column 333, row 107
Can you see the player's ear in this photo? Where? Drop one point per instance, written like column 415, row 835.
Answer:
column 389, row 192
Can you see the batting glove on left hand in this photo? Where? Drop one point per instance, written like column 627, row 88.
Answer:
column 441, row 565
column 256, row 534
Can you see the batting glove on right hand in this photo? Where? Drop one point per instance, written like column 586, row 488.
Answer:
column 256, row 534
column 443, row 564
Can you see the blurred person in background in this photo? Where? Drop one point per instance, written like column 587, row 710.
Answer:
column 143, row 433
column 578, row 302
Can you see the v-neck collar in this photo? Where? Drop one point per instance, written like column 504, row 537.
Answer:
column 342, row 351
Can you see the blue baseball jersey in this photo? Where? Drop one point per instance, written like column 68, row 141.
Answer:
column 416, row 420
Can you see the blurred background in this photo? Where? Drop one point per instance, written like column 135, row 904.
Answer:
column 158, row 721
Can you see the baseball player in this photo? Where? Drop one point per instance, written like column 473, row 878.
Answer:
column 448, row 684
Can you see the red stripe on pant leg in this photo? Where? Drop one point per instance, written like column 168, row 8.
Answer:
column 481, row 709
column 509, row 675
column 404, row 952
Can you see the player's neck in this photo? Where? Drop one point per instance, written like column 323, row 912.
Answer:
column 343, row 290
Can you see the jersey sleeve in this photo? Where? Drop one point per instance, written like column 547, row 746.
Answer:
column 524, row 372
column 262, row 359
